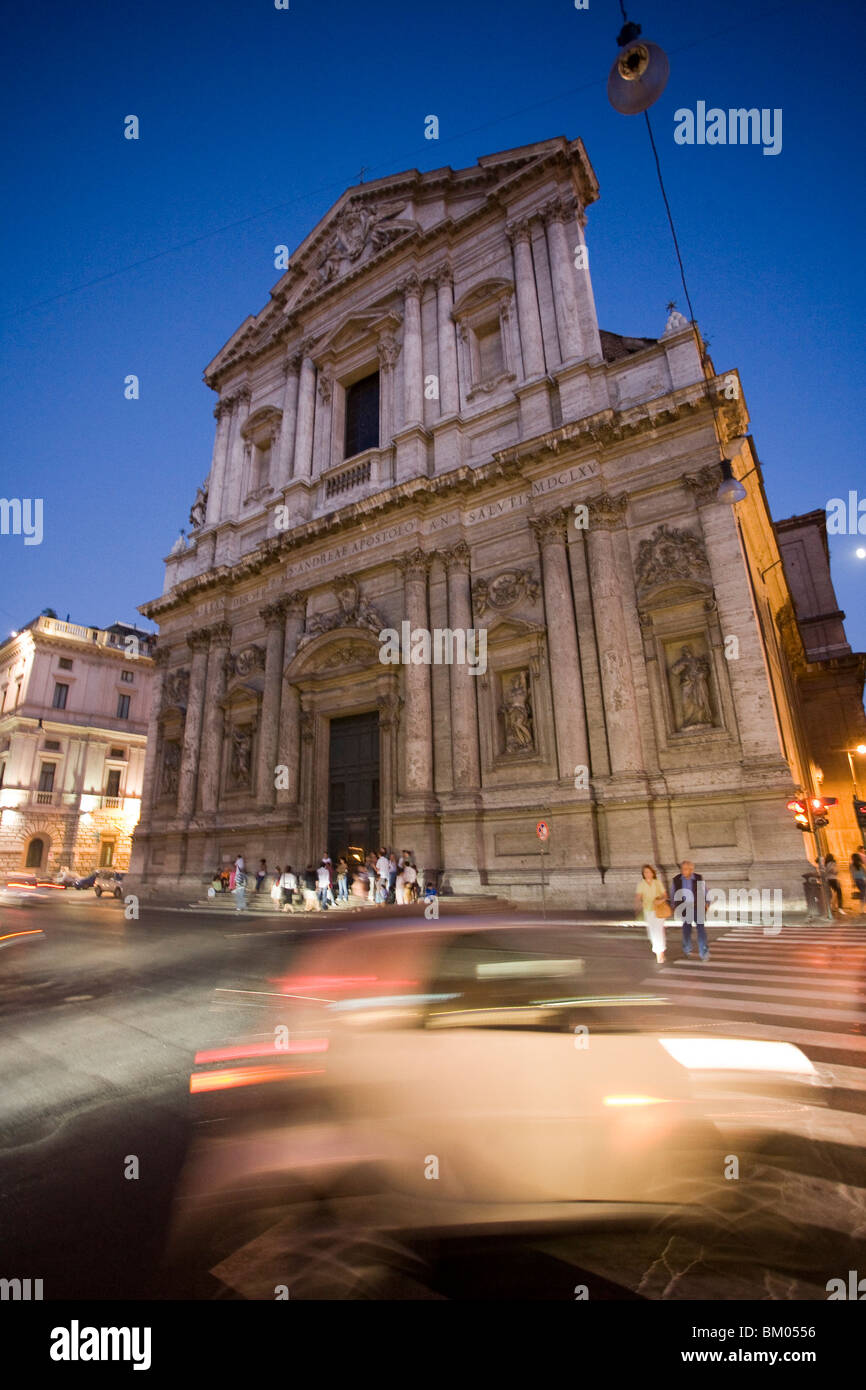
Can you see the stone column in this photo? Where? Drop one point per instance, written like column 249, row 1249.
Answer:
column 150, row 781
column 214, row 717
column 556, row 214
column 303, row 463
column 417, row 738
column 529, row 317
column 322, row 450
column 289, row 420
column 390, row 706
column 274, row 619
column 216, row 481
column 234, row 489
column 198, row 643
column 449, row 390
column 289, row 740
column 464, row 717
column 569, row 710
column 620, row 706
column 413, row 367
column 387, row 351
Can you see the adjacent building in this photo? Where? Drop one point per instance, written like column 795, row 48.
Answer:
column 74, row 710
column 425, row 430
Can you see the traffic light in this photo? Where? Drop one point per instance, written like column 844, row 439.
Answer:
column 819, row 812
column 801, row 814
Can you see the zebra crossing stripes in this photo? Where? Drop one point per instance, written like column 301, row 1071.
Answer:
column 805, row 985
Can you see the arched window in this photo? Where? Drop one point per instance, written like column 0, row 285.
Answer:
column 35, row 851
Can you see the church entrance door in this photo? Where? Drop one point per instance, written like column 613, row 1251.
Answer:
column 353, row 787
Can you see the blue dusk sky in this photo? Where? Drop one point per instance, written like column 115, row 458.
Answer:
column 144, row 256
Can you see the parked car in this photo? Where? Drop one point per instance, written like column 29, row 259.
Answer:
column 107, row 881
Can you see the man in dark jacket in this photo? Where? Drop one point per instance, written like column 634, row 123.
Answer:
column 690, row 906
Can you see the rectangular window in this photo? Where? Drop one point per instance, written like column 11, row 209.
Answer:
column 106, row 854
column 112, row 784
column 362, row 415
column 490, row 360
column 127, row 676
column 123, row 706
column 46, row 777
column 60, row 694
column 65, row 663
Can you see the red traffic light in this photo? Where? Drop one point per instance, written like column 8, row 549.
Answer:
column 798, row 806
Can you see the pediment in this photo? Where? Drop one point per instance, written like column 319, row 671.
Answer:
column 342, row 650
column 354, row 329
column 512, row 629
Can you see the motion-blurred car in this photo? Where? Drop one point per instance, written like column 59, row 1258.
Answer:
column 450, row 1083
column 107, row 881
column 25, row 890
column 86, row 882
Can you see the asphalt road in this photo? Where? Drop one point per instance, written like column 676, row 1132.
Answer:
column 101, row 1018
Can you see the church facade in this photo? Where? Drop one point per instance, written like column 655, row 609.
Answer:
column 460, row 566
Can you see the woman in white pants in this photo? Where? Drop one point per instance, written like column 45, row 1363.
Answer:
column 649, row 892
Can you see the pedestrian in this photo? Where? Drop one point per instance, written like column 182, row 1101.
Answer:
column 342, row 881
column 311, row 901
column 275, row 886
column 288, row 884
column 410, row 881
column 831, row 873
column 393, row 870
column 857, row 866
column 261, row 874
column 323, row 877
column 650, row 894
column 240, row 885
column 686, row 895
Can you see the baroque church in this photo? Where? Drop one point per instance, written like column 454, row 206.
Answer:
column 425, row 425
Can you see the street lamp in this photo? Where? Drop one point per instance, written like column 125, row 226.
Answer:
column 861, row 749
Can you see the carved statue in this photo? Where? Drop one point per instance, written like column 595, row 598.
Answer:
column 242, row 753
column 693, row 674
column 170, row 775
column 670, row 554
column 199, row 508
column 358, row 229
column 517, row 713
column 353, row 611
column 176, row 689
column 503, row 592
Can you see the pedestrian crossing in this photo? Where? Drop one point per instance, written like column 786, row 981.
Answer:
column 805, row 985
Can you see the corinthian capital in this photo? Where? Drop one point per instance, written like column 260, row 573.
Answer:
column 518, row 230
column 272, row 614
column 414, row 563
column 296, row 604
column 607, row 513
column 442, row 275
column 550, row 528
column 457, row 557
column 411, row 286
column 199, row 641
column 221, row 635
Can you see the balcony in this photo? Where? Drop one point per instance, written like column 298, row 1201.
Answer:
column 44, row 798
column 111, row 803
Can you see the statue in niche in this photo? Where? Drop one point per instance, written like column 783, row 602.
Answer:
column 170, row 775
column 241, row 756
column 517, row 713
column 199, row 508
column 693, row 674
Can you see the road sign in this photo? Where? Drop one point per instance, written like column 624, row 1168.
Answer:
column 541, row 830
